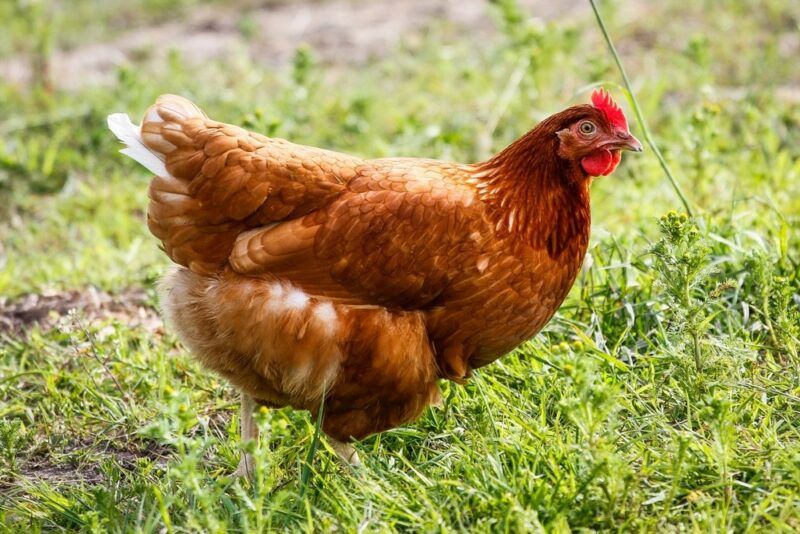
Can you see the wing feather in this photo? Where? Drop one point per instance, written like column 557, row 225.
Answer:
column 388, row 247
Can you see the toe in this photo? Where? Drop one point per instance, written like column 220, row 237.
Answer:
column 246, row 468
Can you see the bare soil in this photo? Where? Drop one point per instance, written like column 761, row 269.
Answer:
column 45, row 310
column 340, row 31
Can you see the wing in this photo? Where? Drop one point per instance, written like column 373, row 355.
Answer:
column 222, row 180
column 396, row 238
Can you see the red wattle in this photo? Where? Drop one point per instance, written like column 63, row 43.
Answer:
column 597, row 163
column 601, row 163
column 616, row 156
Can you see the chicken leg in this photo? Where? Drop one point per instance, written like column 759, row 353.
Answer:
column 249, row 430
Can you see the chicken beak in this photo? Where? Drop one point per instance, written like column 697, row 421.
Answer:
column 629, row 142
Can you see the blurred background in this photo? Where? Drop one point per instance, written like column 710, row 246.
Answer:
column 433, row 78
column 665, row 392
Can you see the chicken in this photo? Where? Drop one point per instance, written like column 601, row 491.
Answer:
column 304, row 274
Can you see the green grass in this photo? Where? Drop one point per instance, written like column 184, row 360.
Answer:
column 664, row 396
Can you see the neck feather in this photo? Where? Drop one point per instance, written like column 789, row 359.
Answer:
column 537, row 197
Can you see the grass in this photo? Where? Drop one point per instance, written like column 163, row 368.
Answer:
column 637, row 110
column 664, row 396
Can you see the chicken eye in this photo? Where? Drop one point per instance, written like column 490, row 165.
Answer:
column 587, row 128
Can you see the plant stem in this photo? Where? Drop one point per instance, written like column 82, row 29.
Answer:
column 638, row 112
column 696, row 346
column 305, row 474
column 687, row 305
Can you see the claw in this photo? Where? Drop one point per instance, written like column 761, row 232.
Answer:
column 246, row 467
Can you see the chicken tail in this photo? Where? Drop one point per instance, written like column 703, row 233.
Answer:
column 214, row 180
column 160, row 133
column 164, row 123
column 131, row 134
column 191, row 234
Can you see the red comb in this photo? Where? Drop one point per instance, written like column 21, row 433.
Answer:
column 603, row 101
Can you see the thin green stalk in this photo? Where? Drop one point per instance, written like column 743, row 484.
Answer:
column 638, row 112
column 687, row 305
column 696, row 347
column 305, row 474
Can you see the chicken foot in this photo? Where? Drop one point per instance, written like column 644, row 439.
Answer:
column 346, row 452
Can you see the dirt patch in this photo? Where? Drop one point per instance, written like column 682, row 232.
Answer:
column 45, row 310
column 340, row 31
column 50, row 469
column 77, row 462
column 45, row 470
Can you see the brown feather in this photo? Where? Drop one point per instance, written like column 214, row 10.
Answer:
column 306, row 271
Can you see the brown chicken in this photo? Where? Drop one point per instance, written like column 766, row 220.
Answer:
column 304, row 273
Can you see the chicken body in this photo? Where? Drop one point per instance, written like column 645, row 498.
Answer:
column 305, row 273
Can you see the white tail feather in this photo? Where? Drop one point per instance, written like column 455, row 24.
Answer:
column 131, row 135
